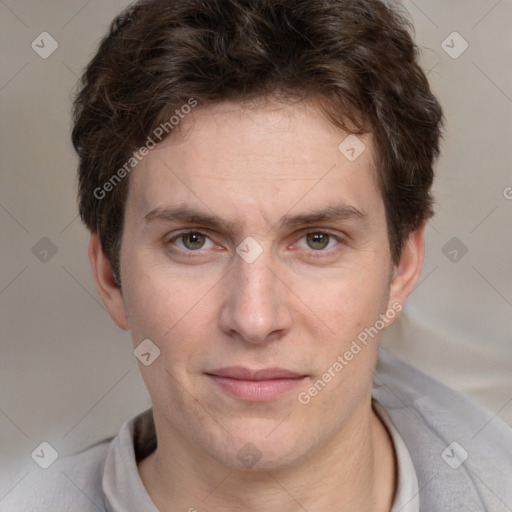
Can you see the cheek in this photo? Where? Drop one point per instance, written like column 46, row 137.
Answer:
column 349, row 299
column 346, row 357
column 172, row 310
column 173, row 318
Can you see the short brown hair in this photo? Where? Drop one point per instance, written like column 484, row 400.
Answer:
column 357, row 56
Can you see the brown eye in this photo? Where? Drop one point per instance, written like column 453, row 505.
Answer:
column 193, row 241
column 318, row 241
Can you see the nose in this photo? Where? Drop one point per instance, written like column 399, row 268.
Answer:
column 256, row 305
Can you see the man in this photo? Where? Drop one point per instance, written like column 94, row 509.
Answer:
column 256, row 178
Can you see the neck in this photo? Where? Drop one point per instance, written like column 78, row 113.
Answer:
column 355, row 471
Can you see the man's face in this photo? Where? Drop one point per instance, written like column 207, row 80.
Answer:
column 313, row 275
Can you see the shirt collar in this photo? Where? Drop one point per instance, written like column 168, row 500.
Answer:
column 124, row 490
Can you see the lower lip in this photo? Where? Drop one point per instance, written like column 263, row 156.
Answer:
column 256, row 390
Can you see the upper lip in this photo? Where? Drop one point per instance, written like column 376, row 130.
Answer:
column 241, row 373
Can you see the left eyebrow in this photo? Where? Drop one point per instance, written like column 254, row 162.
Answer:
column 335, row 213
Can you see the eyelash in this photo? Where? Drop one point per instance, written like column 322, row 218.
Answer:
column 311, row 252
column 182, row 252
column 325, row 252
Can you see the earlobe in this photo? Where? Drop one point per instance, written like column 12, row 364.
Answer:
column 106, row 283
column 407, row 272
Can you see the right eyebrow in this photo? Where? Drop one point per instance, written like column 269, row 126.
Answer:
column 190, row 216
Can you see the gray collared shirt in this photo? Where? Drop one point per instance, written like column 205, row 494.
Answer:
column 452, row 455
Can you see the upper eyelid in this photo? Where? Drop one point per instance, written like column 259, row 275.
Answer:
column 206, row 232
column 186, row 231
column 172, row 239
column 337, row 236
column 325, row 231
column 302, row 232
column 339, row 239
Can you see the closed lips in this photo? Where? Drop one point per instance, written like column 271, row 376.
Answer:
column 242, row 373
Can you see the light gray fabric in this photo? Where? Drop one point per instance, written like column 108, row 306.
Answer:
column 122, row 485
column 407, row 493
column 427, row 415
column 124, row 490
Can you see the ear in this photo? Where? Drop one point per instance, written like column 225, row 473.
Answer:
column 110, row 294
column 407, row 272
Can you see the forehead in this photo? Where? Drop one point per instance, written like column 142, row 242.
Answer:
column 231, row 155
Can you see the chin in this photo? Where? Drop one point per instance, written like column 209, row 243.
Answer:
column 260, row 447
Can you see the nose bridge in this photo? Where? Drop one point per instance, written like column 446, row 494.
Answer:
column 255, row 307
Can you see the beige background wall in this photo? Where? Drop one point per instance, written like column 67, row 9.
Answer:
column 68, row 375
